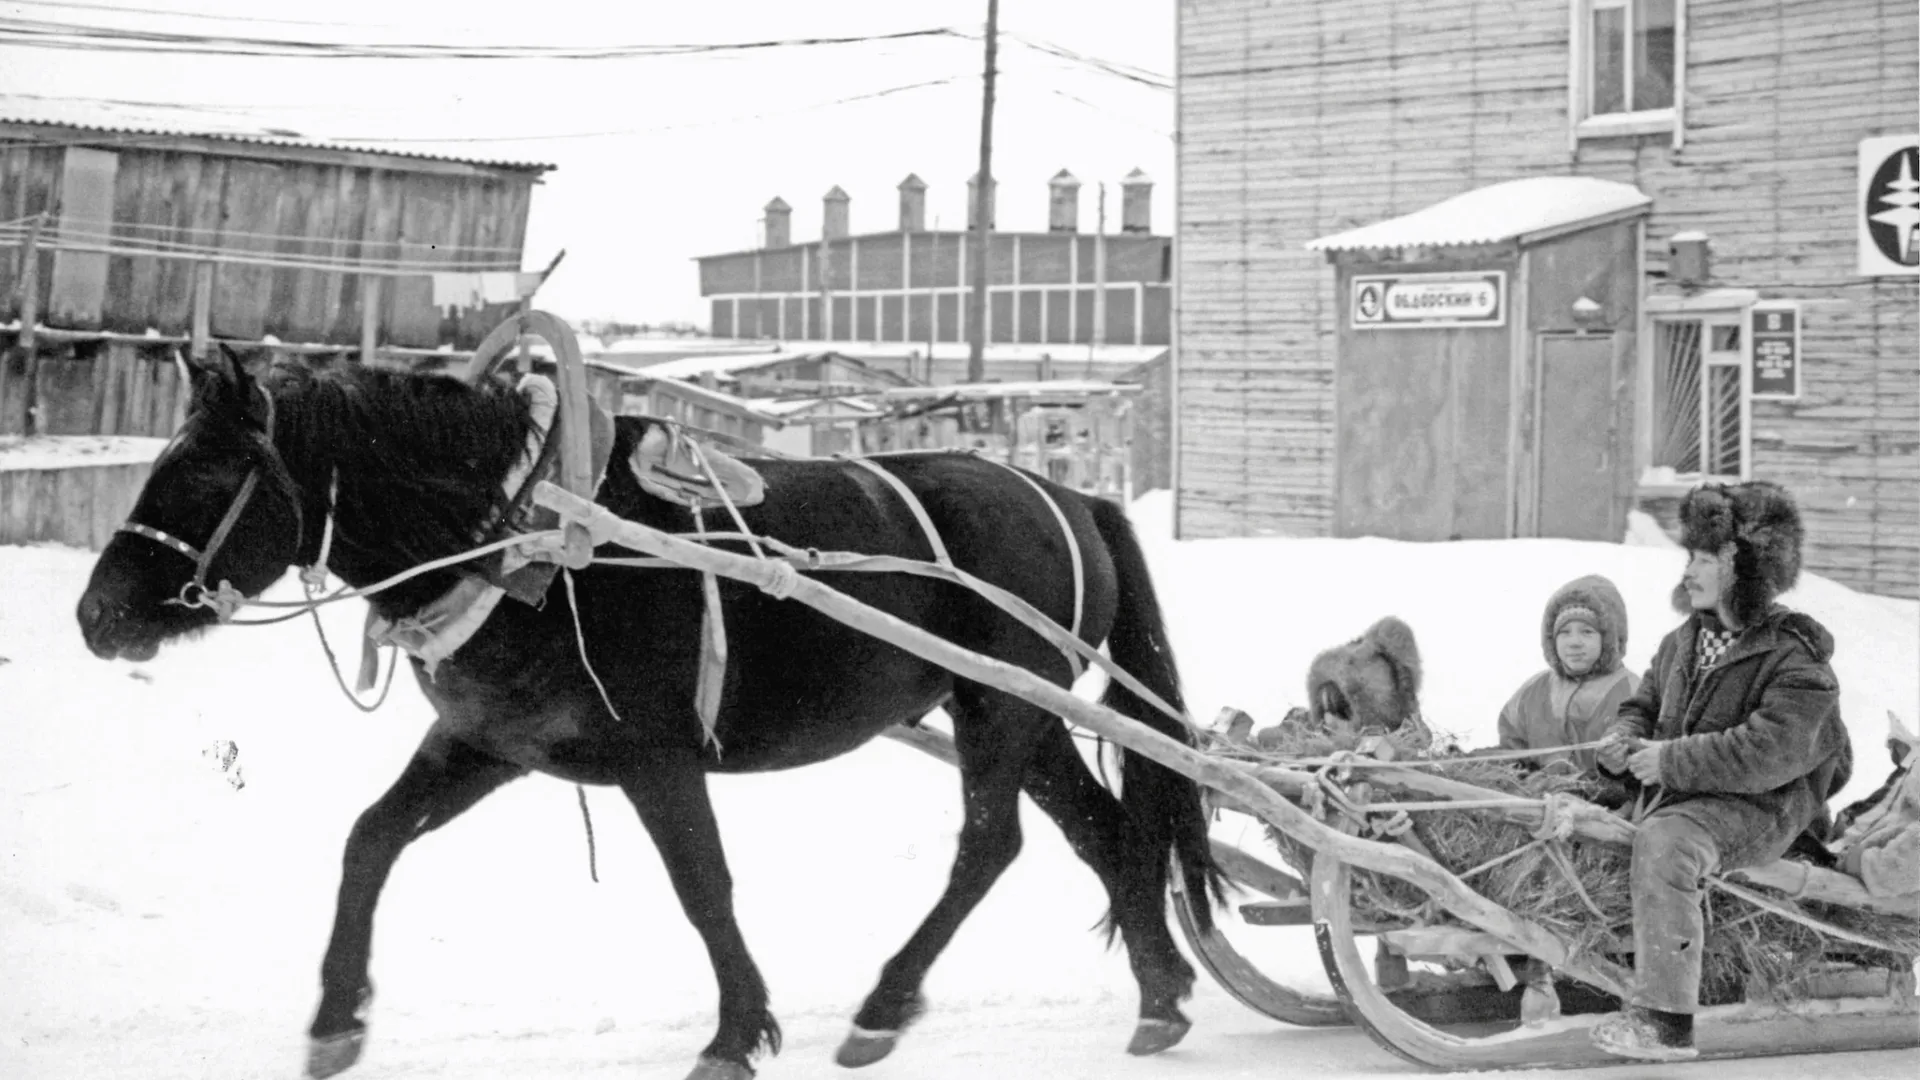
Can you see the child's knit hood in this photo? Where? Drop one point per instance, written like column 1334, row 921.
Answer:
column 1594, row 600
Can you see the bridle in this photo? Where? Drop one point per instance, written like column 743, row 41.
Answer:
column 223, row 599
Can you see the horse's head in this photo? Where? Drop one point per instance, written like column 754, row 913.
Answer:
column 218, row 507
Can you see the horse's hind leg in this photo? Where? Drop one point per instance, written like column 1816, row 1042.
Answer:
column 443, row 780
column 672, row 800
column 993, row 733
column 1095, row 825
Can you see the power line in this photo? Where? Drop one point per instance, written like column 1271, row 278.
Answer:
column 47, row 34
column 1115, row 68
column 74, row 5
column 888, row 92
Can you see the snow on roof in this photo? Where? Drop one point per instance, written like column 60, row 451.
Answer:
column 1046, row 388
column 796, row 406
column 19, row 453
column 1514, row 209
column 117, row 121
column 718, row 364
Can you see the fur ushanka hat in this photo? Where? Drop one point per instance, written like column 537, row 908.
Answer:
column 1762, row 523
column 1595, row 601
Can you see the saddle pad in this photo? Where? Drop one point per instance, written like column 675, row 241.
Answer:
column 668, row 465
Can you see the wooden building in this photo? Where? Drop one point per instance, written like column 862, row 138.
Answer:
column 1769, row 327
column 141, row 241
column 910, row 285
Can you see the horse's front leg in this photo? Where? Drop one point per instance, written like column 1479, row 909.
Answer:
column 670, row 794
column 443, row 780
column 994, row 734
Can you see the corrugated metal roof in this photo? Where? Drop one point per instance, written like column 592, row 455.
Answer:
column 50, row 115
column 1514, row 209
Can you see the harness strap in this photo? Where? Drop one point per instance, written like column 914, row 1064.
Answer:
column 1073, row 545
column 940, row 556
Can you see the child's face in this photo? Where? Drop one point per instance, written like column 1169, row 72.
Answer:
column 1578, row 646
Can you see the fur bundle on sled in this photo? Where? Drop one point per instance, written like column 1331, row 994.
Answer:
column 1371, row 681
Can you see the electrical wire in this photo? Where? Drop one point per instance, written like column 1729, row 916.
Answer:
column 49, row 34
column 465, row 139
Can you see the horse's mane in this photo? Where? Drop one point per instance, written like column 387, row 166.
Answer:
column 419, row 458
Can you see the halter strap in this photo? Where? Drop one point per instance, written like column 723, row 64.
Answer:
column 194, row 593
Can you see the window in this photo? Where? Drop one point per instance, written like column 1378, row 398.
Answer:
column 1700, row 415
column 1626, row 71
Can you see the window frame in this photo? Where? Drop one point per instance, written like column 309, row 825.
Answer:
column 1725, row 307
column 1582, row 122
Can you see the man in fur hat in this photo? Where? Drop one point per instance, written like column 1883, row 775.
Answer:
column 1735, row 735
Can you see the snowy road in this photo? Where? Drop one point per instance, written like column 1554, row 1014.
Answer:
column 155, row 923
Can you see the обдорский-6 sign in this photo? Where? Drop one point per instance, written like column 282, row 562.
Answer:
column 1466, row 298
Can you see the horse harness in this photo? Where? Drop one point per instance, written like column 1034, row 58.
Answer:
column 195, row 592
column 943, row 559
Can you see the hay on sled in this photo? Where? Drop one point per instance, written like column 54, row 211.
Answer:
column 1579, row 888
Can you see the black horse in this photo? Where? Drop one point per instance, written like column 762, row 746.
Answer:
column 410, row 468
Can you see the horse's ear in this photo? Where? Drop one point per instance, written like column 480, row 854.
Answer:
column 217, row 365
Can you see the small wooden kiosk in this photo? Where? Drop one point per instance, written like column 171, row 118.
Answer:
column 1484, row 373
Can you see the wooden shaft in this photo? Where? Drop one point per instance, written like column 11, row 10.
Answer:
column 1229, row 777
column 29, row 318
column 202, row 309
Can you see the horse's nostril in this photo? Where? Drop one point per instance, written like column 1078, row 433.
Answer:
column 95, row 612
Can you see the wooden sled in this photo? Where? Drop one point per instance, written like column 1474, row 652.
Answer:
column 1465, row 1018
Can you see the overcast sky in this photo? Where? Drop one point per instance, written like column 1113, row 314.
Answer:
column 661, row 159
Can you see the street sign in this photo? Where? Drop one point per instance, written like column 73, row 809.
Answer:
column 1411, row 301
column 1887, row 211
column 1773, row 334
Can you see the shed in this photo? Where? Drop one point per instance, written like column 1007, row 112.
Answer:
column 1485, row 360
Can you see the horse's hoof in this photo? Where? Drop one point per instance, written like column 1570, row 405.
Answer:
column 863, row 1047
column 1152, row 1036
column 334, row 1054
column 713, row 1068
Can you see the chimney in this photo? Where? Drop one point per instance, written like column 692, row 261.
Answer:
column 1063, row 205
column 913, row 204
column 777, row 225
column 833, row 220
column 1136, row 203
column 973, row 202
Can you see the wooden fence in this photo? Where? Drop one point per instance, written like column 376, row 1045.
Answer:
column 117, row 386
column 80, row 504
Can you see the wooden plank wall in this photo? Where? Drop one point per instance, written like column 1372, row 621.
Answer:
column 94, row 388
column 81, row 506
column 237, row 203
column 1301, row 119
column 1779, row 99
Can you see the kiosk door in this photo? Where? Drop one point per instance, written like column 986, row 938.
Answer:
column 1574, row 438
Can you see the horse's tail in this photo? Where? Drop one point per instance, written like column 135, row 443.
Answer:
column 1165, row 817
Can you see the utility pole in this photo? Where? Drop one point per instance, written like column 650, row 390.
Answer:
column 982, row 204
column 1099, row 335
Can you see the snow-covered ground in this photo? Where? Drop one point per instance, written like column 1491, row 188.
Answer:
column 156, row 921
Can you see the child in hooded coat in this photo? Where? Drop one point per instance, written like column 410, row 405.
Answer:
column 1584, row 636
